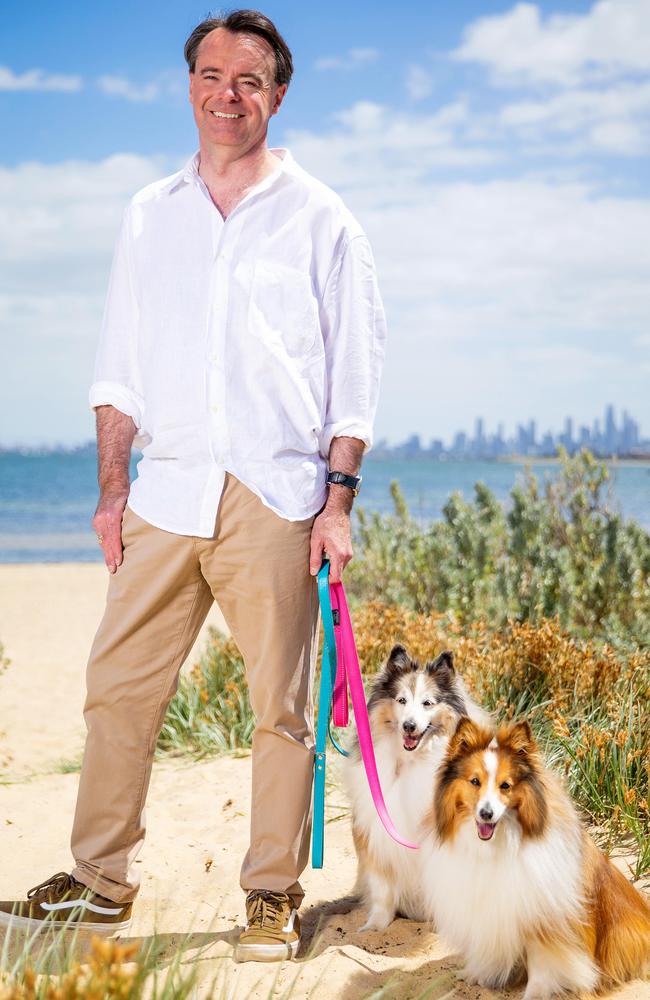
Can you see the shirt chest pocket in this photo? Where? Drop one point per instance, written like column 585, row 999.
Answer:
column 283, row 310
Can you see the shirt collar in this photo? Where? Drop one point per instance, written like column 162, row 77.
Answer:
column 190, row 172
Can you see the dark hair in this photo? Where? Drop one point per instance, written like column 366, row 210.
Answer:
column 250, row 22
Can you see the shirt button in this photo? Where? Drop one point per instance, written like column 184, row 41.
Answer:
column 215, row 407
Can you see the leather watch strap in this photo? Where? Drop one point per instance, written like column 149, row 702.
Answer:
column 343, row 479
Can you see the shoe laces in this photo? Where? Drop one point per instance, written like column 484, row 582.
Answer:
column 265, row 907
column 53, row 887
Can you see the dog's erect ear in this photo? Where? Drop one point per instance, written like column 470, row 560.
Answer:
column 442, row 668
column 518, row 738
column 398, row 661
column 468, row 737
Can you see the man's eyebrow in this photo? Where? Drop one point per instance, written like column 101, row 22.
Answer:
column 215, row 69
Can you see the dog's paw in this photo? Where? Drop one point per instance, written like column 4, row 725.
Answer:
column 377, row 921
column 475, row 978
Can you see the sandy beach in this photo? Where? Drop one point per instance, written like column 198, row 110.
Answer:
column 197, row 817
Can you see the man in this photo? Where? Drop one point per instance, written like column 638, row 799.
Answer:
column 241, row 348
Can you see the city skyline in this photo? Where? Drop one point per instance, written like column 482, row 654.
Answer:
column 624, row 440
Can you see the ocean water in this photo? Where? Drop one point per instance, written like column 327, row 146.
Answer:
column 47, row 501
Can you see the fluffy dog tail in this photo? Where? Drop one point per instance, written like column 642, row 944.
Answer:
column 620, row 921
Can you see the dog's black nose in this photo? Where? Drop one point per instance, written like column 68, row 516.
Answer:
column 409, row 727
column 486, row 813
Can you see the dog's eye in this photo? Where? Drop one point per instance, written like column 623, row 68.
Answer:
column 504, row 785
column 475, row 781
column 401, row 701
column 428, row 704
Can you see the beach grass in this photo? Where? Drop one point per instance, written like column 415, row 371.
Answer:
column 66, row 964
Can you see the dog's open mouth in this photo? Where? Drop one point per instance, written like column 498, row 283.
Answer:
column 411, row 742
column 485, row 830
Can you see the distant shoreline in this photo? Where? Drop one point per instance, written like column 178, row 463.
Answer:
column 642, row 460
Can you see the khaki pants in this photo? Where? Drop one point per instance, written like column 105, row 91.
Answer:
column 257, row 568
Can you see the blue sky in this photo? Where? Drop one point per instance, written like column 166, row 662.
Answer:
column 495, row 153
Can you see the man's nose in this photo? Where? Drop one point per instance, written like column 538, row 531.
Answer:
column 229, row 91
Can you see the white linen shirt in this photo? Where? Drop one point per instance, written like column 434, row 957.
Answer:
column 242, row 345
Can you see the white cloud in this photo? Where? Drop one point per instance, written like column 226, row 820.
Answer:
column 119, row 86
column 375, row 137
column 170, row 82
column 419, row 82
column 352, row 59
column 38, row 79
column 570, row 110
column 612, row 119
column 611, row 39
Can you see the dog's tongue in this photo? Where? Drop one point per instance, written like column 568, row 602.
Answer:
column 410, row 742
column 485, row 830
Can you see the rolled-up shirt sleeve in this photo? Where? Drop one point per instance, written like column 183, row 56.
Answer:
column 117, row 380
column 354, row 332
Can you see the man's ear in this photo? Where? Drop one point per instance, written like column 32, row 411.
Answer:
column 279, row 97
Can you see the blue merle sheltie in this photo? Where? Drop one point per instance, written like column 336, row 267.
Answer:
column 413, row 710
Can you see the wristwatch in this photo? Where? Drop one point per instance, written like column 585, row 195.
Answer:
column 342, row 479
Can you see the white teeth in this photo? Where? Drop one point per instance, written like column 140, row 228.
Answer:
column 222, row 114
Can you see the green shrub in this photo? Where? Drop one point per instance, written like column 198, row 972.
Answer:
column 559, row 551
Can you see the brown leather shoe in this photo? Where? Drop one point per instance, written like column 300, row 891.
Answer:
column 61, row 901
column 272, row 932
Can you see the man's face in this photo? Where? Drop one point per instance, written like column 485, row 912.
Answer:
column 234, row 75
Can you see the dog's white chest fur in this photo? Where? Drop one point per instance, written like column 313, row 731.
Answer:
column 390, row 876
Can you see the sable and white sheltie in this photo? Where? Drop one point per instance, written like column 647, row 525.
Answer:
column 412, row 711
column 514, row 883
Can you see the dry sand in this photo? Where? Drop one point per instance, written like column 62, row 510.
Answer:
column 197, row 824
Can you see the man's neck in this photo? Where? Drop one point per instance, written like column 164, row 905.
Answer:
column 228, row 175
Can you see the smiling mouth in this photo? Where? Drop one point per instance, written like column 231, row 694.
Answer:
column 411, row 742
column 485, row 830
column 223, row 114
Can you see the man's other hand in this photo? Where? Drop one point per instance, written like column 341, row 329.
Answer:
column 107, row 524
column 331, row 537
